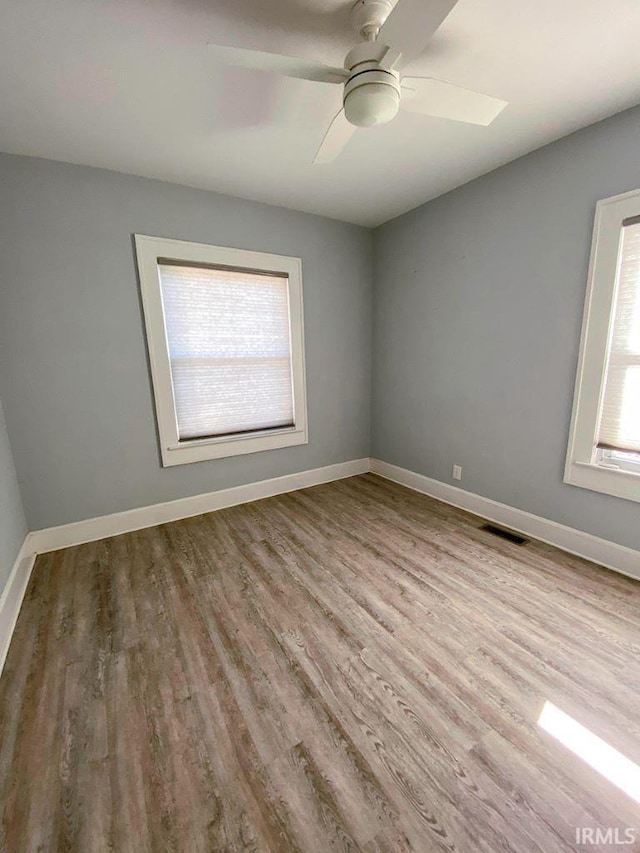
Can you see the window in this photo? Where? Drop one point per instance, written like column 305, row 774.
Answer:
column 225, row 335
column 604, row 444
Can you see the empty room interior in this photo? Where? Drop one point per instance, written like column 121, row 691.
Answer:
column 319, row 426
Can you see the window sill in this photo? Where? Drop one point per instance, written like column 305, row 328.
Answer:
column 609, row 481
column 200, row 450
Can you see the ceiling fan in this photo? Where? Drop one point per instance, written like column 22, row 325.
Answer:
column 373, row 87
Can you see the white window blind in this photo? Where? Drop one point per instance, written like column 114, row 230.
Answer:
column 619, row 427
column 229, row 345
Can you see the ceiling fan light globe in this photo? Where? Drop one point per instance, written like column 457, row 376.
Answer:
column 371, row 104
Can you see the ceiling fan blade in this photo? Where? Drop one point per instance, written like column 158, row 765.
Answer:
column 411, row 24
column 444, row 100
column 289, row 66
column 339, row 133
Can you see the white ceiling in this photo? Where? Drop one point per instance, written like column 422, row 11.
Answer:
column 128, row 85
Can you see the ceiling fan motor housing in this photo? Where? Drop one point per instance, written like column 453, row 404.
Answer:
column 372, row 93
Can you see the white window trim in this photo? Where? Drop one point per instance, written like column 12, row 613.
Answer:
column 174, row 451
column 585, row 467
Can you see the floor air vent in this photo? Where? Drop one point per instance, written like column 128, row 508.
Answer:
column 505, row 534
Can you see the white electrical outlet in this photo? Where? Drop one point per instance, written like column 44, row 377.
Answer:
column 457, row 472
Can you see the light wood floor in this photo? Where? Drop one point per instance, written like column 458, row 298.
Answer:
column 349, row 667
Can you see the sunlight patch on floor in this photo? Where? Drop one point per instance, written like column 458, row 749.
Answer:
column 594, row 751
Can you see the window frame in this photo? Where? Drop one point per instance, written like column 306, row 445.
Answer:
column 615, row 459
column 173, row 451
column 586, row 466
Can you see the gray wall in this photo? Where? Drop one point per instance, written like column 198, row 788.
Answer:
column 74, row 369
column 477, row 300
column 478, row 303
column 13, row 526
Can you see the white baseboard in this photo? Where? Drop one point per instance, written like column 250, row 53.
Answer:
column 602, row 551
column 12, row 595
column 91, row 529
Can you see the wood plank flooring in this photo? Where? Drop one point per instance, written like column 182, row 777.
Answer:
column 349, row 667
